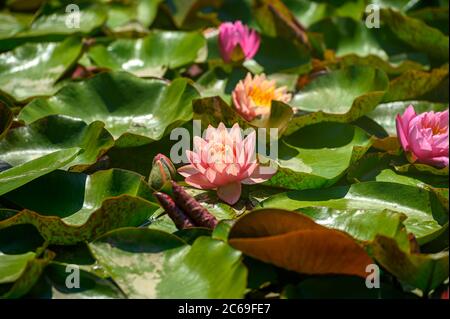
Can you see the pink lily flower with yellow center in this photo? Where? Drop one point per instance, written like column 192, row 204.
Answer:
column 224, row 161
column 253, row 96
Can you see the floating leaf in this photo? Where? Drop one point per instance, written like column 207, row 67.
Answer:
column 23, row 271
column 362, row 224
column 417, row 167
column 134, row 110
column 79, row 207
column 425, row 214
column 53, row 285
column 340, row 96
column 152, row 55
column 423, row 271
column 17, row 176
column 276, row 19
column 415, row 85
column 295, row 242
column 122, row 15
column 33, row 68
column 153, row 264
column 54, row 133
column 318, row 155
column 417, row 34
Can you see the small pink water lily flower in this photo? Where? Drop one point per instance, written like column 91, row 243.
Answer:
column 425, row 136
column 224, row 160
column 253, row 97
column 237, row 42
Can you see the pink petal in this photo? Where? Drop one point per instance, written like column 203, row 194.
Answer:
column 230, row 193
column 402, row 133
column 187, row 170
column 441, row 161
column 199, row 181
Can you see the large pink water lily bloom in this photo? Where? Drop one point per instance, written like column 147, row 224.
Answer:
column 253, row 96
column 237, row 42
column 224, row 160
column 424, row 137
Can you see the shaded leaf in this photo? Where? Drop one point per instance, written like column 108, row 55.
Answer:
column 23, row 271
column 17, row 176
column 80, row 208
column 417, row 34
column 423, row 271
column 415, row 85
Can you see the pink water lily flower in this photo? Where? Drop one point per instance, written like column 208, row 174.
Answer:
column 224, row 160
column 425, row 136
column 237, row 42
column 253, row 96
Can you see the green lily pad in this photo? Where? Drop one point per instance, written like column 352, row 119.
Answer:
column 270, row 59
column 33, row 68
column 135, row 111
column 53, row 19
column 385, row 113
column 9, row 25
column 53, row 285
column 423, row 271
column 417, row 34
column 12, row 266
column 349, row 36
column 186, row 14
column 416, row 167
column 17, row 176
column 426, row 216
column 340, row 96
column 318, row 155
column 389, row 67
column 152, row 55
column 419, row 85
column 153, row 264
column 68, row 208
column 55, row 133
column 436, row 17
column 21, row 272
column 362, row 224
column 122, row 15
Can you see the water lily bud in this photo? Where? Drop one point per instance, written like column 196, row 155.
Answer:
column 176, row 214
column 162, row 172
column 199, row 214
